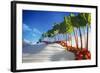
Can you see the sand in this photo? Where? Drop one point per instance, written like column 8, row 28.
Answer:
column 45, row 52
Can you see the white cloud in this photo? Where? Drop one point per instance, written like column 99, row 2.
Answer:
column 26, row 28
column 36, row 31
column 27, row 41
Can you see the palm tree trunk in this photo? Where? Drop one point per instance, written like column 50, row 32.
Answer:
column 66, row 39
column 71, row 39
column 54, row 38
column 80, row 37
column 76, row 40
column 87, row 37
column 58, row 38
column 84, row 37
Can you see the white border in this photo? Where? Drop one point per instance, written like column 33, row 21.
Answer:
column 21, row 65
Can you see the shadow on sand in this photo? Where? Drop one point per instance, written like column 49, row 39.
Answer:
column 63, row 55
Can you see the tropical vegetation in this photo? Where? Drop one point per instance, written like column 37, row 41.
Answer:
column 74, row 25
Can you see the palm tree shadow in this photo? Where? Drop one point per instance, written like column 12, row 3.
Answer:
column 63, row 55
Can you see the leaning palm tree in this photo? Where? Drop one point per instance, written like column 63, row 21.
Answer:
column 72, row 23
column 49, row 34
column 87, row 18
column 56, row 29
column 68, row 27
column 44, row 35
column 62, row 29
column 79, row 22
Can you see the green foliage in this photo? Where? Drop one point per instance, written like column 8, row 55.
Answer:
column 68, row 24
column 87, row 17
column 62, row 28
column 50, row 33
column 56, row 28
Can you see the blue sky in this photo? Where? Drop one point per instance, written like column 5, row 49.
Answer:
column 36, row 22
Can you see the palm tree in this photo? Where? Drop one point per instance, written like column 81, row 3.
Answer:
column 73, row 23
column 69, row 27
column 55, row 34
column 79, row 22
column 49, row 34
column 39, row 40
column 56, row 29
column 43, row 36
column 87, row 18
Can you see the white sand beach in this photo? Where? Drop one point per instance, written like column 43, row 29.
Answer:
column 51, row 52
column 45, row 52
